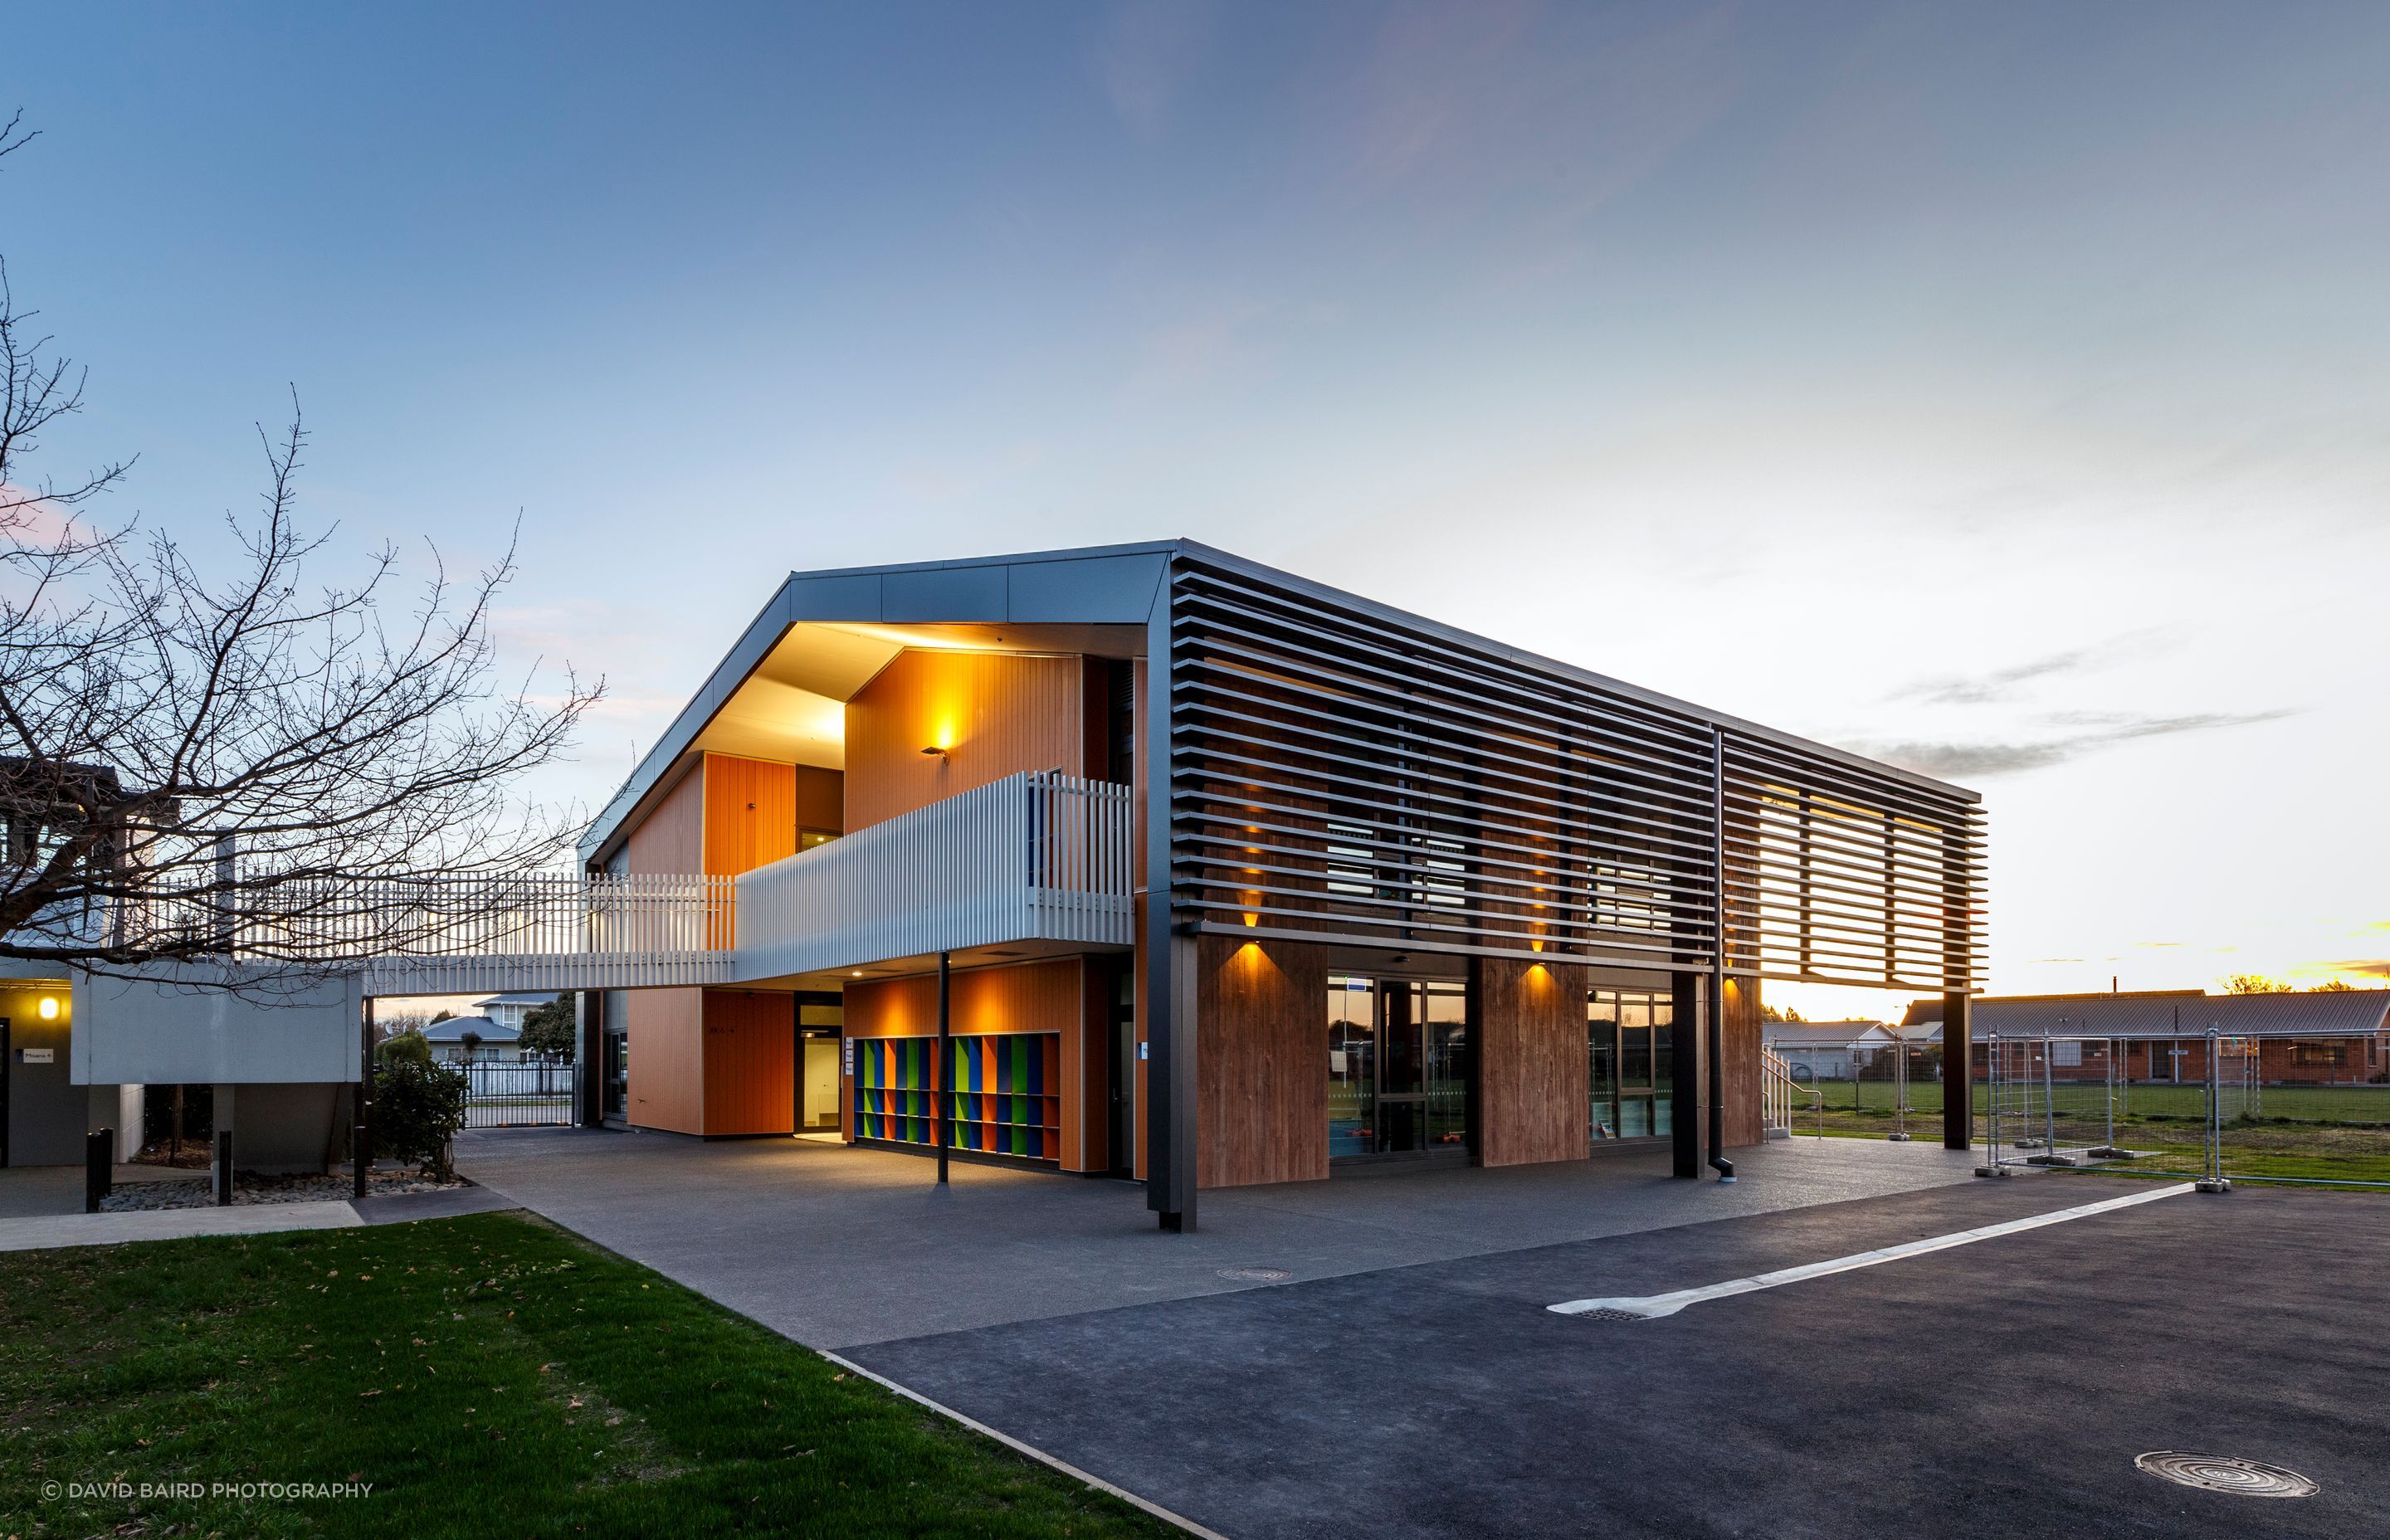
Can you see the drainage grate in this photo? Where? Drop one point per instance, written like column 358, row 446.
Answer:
column 1610, row 1316
column 1255, row 1275
column 2226, row 1473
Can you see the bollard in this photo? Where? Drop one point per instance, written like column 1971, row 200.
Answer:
column 98, row 1168
column 223, row 1168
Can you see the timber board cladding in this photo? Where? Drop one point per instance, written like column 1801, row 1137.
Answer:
column 996, row 714
column 1531, row 1062
column 1738, row 1037
column 1261, row 1064
column 1054, row 995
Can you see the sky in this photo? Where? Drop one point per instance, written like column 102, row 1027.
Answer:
column 2001, row 391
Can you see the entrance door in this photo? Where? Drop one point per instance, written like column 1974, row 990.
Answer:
column 1629, row 1068
column 7, row 1053
column 1397, row 1067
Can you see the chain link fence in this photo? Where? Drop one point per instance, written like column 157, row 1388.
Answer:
column 1865, row 1088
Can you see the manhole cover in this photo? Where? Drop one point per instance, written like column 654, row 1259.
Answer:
column 2226, row 1473
column 1255, row 1275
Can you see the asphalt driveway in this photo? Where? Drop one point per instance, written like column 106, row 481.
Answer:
column 1997, row 1389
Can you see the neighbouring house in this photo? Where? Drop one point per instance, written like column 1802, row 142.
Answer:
column 508, row 1010
column 474, row 1040
column 1828, row 1050
column 1217, row 875
column 2311, row 1037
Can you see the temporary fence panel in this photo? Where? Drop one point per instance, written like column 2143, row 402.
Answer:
column 2311, row 1109
column 2050, row 1101
column 2301, row 1110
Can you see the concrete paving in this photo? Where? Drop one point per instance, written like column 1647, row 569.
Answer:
column 1992, row 1390
column 41, row 1207
column 43, row 1232
column 836, row 1246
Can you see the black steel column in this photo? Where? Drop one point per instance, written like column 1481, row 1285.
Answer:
column 1168, row 956
column 99, row 1167
column 224, row 1160
column 1686, row 1080
column 1715, row 1037
column 1958, row 1071
column 361, row 1133
column 590, row 1007
column 946, row 1076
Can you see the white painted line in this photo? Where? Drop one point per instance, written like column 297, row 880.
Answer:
column 1123, row 1493
column 1653, row 1306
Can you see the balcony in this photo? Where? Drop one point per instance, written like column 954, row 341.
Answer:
column 1039, row 857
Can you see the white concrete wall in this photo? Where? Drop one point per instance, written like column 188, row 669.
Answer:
column 119, row 1107
column 162, row 1033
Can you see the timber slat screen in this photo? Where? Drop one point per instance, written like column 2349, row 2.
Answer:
column 1339, row 776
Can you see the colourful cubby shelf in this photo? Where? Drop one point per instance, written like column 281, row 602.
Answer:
column 1007, row 1093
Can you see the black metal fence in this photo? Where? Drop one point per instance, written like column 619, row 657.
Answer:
column 517, row 1096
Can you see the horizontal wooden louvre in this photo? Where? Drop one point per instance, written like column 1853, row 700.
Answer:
column 1340, row 776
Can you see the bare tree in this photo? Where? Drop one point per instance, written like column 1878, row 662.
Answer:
column 206, row 753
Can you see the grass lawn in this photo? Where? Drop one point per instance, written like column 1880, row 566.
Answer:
column 490, row 1376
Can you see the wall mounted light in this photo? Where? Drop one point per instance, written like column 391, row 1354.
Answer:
column 934, row 749
column 48, row 1007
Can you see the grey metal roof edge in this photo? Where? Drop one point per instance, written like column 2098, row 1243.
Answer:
column 1521, row 655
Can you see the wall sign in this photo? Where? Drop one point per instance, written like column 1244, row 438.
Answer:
column 40, row 1056
column 849, row 1055
column 1140, row 1053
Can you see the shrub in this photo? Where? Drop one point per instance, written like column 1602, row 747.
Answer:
column 418, row 1108
column 410, row 1046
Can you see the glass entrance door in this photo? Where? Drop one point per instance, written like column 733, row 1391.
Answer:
column 1397, row 1067
column 1631, row 1068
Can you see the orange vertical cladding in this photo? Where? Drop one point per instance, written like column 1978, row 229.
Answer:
column 751, row 1069
column 664, row 1027
column 993, row 714
column 707, row 1061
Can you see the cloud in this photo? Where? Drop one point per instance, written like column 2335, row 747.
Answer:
column 2001, row 684
column 1980, row 690
column 2363, row 967
column 2000, row 759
